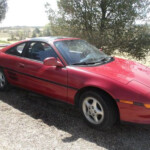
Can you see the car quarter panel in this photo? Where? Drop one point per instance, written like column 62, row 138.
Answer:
column 10, row 63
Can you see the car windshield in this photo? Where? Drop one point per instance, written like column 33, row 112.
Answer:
column 77, row 52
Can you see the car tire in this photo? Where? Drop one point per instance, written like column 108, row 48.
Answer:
column 98, row 109
column 3, row 81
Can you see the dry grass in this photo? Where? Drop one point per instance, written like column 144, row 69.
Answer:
column 145, row 61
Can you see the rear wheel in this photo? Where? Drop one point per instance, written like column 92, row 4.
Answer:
column 3, row 81
column 98, row 110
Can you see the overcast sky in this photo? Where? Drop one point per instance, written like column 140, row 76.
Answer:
column 27, row 13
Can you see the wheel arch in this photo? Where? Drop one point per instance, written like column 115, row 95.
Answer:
column 3, row 69
column 98, row 90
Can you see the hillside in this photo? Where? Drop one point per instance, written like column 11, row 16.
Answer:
column 17, row 33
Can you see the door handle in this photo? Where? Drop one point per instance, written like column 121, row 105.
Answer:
column 21, row 65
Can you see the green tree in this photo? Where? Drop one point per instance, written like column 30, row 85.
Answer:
column 37, row 31
column 12, row 36
column 104, row 23
column 46, row 30
column 21, row 35
column 33, row 34
column 136, row 41
column 3, row 9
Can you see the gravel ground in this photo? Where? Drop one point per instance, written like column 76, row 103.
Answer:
column 31, row 122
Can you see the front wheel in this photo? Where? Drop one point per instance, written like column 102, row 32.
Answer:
column 98, row 110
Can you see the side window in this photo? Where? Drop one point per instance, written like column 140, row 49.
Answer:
column 17, row 50
column 39, row 51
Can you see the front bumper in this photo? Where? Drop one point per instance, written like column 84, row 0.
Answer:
column 134, row 113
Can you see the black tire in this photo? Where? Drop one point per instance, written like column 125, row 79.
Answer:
column 105, row 104
column 3, row 81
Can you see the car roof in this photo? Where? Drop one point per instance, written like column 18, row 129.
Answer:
column 41, row 39
column 51, row 38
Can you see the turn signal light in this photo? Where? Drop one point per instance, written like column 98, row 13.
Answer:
column 135, row 103
column 127, row 102
column 147, row 105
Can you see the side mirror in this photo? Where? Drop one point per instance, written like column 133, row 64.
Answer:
column 52, row 61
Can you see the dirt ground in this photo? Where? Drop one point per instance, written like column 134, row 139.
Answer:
column 31, row 122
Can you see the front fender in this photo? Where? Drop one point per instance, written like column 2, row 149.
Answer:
column 79, row 79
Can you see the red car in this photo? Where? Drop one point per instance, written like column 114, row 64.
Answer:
column 106, row 89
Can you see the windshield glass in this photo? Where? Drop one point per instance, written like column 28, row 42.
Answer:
column 79, row 52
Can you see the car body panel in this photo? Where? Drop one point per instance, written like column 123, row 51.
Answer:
column 134, row 114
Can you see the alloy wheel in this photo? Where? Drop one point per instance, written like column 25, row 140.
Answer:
column 2, row 80
column 93, row 110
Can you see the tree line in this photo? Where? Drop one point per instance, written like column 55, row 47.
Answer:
column 29, row 33
column 23, row 32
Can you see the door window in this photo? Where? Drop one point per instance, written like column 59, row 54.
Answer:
column 17, row 50
column 40, row 51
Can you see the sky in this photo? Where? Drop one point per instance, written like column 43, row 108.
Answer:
column 27, row 13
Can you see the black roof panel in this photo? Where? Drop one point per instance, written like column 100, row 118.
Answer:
column 47, row 39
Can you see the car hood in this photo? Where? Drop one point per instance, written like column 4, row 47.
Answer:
column 122, row 70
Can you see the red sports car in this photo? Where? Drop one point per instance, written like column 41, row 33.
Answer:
column 104, row 88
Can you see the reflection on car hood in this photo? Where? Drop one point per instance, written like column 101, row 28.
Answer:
column 122, row 70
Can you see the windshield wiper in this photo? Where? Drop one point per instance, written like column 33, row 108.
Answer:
column 106, row 59
column 84, row 63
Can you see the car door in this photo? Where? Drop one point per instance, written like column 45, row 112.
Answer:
column 47, row 80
